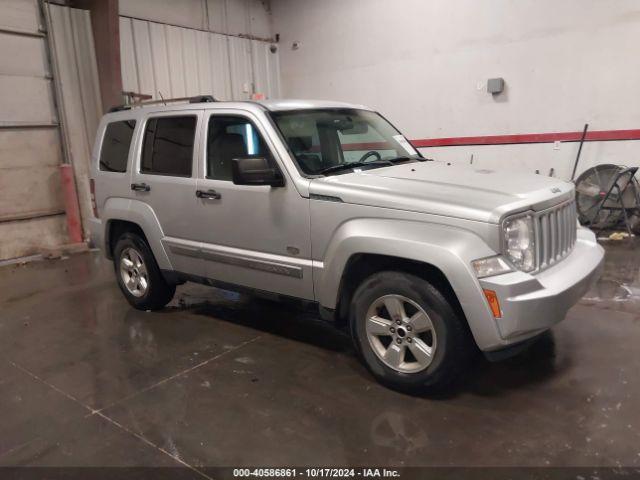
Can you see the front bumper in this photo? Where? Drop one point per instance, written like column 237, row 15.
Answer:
column 531, row 304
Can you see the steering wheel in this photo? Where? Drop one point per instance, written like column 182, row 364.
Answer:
column 370, row 153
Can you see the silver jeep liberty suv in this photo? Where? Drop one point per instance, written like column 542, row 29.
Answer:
column 328, row 203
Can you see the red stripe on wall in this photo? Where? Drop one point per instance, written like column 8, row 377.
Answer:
column 593, row 136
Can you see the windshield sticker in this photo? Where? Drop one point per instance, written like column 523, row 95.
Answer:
column 405, row 144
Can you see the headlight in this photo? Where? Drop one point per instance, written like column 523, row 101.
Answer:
column 486, row 267
column 519, row 242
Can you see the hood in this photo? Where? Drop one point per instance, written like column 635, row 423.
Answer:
column 442, row 189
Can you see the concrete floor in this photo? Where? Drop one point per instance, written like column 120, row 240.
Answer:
column 220, row 379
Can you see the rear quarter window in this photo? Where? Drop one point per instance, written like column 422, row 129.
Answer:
column 115, row 146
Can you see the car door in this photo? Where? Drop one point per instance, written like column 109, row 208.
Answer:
column 254, row 236
column 165, row 181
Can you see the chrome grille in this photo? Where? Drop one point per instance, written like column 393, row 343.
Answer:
column 556, row 230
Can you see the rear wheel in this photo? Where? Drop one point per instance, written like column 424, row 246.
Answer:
column 407, row 333
column 138, row 275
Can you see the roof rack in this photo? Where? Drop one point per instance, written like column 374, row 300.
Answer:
column 129, row 106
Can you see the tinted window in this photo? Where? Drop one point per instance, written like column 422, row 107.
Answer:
column 115, row 146
column 229, row 138
column 168, row 146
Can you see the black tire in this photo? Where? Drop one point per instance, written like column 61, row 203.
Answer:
column 158, row 292
column 454, row 345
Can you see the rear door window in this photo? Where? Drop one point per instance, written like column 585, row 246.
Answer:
column 168, row 146
column 115, row 146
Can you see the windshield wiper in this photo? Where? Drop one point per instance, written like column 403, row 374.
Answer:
column 400, row 159
column 404, row 158
column 348, row 166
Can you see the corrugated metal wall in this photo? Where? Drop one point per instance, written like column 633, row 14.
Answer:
column 178, row 61
column 251, row 18
column 51, row 105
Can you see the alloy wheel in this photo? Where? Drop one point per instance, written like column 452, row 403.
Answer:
column 133, row 272
column 401, row 333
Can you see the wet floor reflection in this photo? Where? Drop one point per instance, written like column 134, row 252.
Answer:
column 619, row 286
column 292, row 322
column 222, row 378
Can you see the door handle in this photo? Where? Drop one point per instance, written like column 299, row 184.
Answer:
column 208, row 194
column 140, row 187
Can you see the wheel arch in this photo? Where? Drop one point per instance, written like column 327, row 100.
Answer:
column 121, row 215
column 362, row 265
column 115, row 228
column 439, row 253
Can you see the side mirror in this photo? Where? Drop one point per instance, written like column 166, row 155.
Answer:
column 255, row 171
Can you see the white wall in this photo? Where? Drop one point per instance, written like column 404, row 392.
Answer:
column 424, row 64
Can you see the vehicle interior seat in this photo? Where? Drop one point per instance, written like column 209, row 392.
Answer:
column 223, row 148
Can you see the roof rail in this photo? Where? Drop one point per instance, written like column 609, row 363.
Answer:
column 202, row 99
column 196, row 99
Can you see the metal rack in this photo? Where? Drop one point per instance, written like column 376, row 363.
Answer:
column 143, row 102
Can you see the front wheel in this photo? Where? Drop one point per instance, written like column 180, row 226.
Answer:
column 138, row 274
column 407, row 333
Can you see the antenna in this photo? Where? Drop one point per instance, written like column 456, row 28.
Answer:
column 161, row 97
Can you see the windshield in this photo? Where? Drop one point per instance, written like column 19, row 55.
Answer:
column 330, row 141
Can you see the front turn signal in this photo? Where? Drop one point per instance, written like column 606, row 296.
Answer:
column 494, row 304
